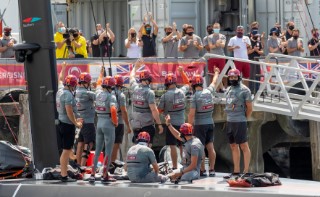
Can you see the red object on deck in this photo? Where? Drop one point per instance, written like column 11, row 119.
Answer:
column 91, row 158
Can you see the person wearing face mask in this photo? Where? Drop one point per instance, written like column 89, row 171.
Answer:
column 95, row 45
column 133, row 44
column 254, row 29
column 148, row 37
column 191, row 44
column 290, row 27
column 274, row 42
column 205, row 39
column 78, row 45
column 313, row 44
column 256, row 47
column 239, row 45
column 192, row 152
column 6, row 44
column 238, row 109
column 106, row 40
column 61, row 51
column 295, row 44
column 170, row 41
column 216, row 44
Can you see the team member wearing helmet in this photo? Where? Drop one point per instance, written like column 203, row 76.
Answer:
column 144, row 107
column 173, row 103
column 139, row 159
column 122, row 116
column 200, row 115
column 238, row 109
column 85, row 107
column 66, row 104
column 106, row 109
column 192, row 152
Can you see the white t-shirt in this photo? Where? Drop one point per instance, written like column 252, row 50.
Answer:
column 241, row 42
column 134, row 51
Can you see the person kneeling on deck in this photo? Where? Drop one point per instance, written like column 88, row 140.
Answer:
column 139, row 158
column 192, row 152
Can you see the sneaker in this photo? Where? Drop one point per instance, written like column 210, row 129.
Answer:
column 248, row 174
column 203, row 173
column 212, row 173
column 164, row 179
column 107, row 179
column 67, row 179
column 233, row 175
column 92, row 179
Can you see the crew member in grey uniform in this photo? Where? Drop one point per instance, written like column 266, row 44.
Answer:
column 66, row 107
column 106, row 109
column 144, row 107
column 122, row 116
column 173, row 103
column 200, row 115
column 139, row 159
column 238, row 109
column 85, row 107
column 192, row 152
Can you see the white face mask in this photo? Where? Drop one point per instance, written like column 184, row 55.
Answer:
column 62, row 30
column 99, row 32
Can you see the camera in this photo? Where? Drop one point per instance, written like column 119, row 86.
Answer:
column 25, row 50
column 69, row 32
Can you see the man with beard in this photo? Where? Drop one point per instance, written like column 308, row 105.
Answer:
column 313, row 44
column 295, row 44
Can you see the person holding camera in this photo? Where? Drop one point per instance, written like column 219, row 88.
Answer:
column 106, row 40
column 6, row 44
column 61, row 41
column 133, row 44
column 78, row 44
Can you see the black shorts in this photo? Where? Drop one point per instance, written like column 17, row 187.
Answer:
column 204, row 133
column 119, row 134
column 170, row 139
column 149, row 129
column 237, row 132
column 87, row 133
column 66, row 135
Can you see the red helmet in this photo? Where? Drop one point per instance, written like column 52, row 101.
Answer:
column 108, row 82
column 143, row 136
column 186, row 129
column 145, row 75
column 84, row 78
column 70, row 80
column 196, row 80
column 119, row 80
column 170, row 79
column 7, row 29
column 234, row 72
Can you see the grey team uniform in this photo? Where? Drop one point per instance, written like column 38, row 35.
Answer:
column 85, row 108
column 191, row 51
column 139, row 159
column 142, row 119
column 66, row 129
column 236, row 98
column 105, row 129
column 192, row 147
column 173, row 102
column 121, row 100
column 203, row 104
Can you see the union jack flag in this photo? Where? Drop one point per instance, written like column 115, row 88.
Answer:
column 125, row 69
column 310, row 66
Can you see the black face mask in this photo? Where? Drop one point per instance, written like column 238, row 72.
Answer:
column 7, row 33
column 133, row 35
column 75, row 35
column 295, row 37
column 291, row 27
column 239, row 34
column 190, row 33
column 148, row 30
column 255, row 37
column 168, row 33
column 210, row 31
column 234, row 82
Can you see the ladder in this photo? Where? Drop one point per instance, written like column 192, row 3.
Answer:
column 279, row 90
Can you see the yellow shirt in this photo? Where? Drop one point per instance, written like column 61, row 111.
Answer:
column 83, row 49
column 58, row 37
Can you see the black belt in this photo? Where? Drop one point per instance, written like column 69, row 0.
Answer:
column 141, row 107
column 177, row 110
column 204, row 112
